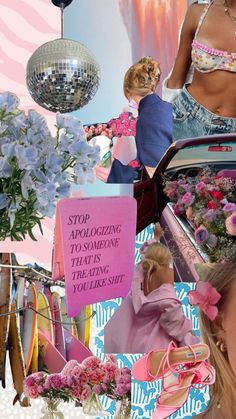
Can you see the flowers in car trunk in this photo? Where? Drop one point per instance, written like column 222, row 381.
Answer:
column 37, row 169
column 209, row 205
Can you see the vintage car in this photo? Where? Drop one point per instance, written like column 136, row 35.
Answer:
column 188, row 157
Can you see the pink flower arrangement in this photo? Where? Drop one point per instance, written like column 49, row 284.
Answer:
column 125, row 125
column 53, row 386
column 209, row 204
column 98, row 129
column 81, row 381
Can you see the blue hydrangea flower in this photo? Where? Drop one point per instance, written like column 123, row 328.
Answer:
column 38, row 122
column 5, row 168
column 19, row 120
column 46, row 194
column 41, row 166
column 27, row 157
column 53, row 162
column 71, row 124
column 8, row 102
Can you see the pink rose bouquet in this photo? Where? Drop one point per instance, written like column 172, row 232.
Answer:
column 98, row 129
column 125, row 125
column 50, row 386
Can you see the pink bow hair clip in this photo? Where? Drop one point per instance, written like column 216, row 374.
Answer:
column 205, row 297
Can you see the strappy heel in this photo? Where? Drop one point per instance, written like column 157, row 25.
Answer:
column 175, row 393
column 166, row 360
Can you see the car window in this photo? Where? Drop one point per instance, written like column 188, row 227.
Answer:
column 201, row 154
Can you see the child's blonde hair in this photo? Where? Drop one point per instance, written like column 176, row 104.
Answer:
column 222, row 276
column 142, row 77
column 156, row 257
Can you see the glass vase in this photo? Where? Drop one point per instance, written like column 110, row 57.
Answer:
column 93, row 406
column 50, row 409
column 123, row 410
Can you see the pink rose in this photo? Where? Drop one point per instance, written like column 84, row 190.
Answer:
column 86, row 392
column 111, row 358
column 83, row 378
column 30, row 381
column 33, row 392
column 201, row 186
column 69, row 367
column 187, row 199
column 41, row 389
column 76, row 392
column 92, row 362
column 96, row 376
column 110, row 371
column 54, row 381
column 230, row 223
column 77, row 370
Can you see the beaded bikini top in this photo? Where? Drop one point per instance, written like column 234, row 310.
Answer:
column 206, row 59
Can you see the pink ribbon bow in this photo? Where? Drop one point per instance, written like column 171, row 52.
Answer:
column 205, row 297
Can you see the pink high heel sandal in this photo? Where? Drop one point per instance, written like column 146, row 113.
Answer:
column 175, row 394
column 167, row 360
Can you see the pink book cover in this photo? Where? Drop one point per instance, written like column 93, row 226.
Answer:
column 94, row 248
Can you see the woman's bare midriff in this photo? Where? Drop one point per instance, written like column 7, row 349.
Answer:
column 216, row 91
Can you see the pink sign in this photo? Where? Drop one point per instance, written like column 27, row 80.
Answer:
column 94, row 248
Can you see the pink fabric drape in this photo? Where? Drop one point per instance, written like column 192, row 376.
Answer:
column 153, row 27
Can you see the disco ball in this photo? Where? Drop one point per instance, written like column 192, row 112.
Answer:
column 62, row 75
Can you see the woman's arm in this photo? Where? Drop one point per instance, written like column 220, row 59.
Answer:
column 183, row 59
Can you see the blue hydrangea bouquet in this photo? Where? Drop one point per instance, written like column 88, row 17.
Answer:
column 36, row 168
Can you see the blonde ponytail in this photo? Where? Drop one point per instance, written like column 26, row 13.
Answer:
column 156, row 257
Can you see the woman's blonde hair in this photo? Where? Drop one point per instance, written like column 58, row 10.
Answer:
column 156, row 256
column 142, row 77
column 222, row 276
